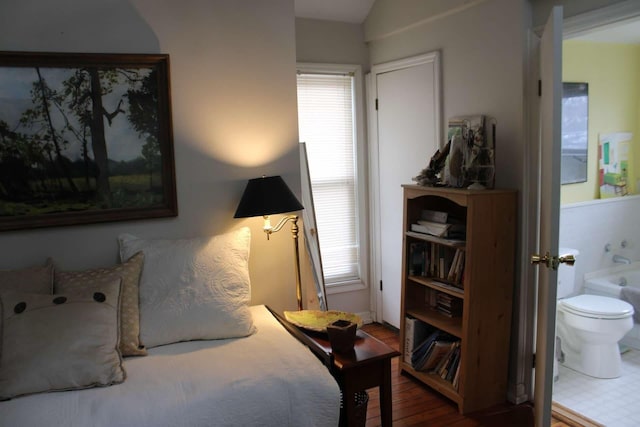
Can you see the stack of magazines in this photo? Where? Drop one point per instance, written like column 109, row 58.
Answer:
column 439, row 224
column 429, row 353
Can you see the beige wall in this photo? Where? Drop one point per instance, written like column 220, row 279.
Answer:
column 484, row 56
column 331, row 42
column 234, row 117
column 388, row 17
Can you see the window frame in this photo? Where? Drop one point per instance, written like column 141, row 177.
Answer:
column 361, row 173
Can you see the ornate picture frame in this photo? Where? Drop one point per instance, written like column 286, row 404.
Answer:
column 84, row 138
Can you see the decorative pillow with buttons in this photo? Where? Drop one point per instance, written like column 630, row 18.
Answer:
column 58, row 342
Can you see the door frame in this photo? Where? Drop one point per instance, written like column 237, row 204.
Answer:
column 374, row 164
column 572, row 26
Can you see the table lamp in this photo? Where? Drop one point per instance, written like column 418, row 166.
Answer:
column 271, row 195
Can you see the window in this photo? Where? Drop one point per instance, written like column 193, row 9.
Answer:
column 575, row 135
column 329, row 123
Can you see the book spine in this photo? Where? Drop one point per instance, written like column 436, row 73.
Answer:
column 452, row 269
column 433, row 266
column 459, row 268
column 456, row 376
column 441, row 263
column 409, row 328
column 454, row 364
column 443, row 369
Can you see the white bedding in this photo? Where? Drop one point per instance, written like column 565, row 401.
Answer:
column 266, row 379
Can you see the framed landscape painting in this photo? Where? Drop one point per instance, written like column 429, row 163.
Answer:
column 84, row 138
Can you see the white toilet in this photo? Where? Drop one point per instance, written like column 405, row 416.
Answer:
column 589, row 327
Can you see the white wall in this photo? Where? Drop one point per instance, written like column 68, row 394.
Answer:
column 590, row 226
column 234, row 117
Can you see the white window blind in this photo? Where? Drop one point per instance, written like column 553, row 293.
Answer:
column 326, row 125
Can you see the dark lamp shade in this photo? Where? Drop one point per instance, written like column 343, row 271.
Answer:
column 265, row 196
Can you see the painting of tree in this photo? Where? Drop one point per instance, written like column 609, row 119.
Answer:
column 84, row 138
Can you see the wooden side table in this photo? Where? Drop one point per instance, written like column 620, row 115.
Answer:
column 368, row 365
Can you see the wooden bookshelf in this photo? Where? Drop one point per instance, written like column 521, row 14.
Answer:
column 485, row 289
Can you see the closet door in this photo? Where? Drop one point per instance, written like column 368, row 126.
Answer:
column 407, row 134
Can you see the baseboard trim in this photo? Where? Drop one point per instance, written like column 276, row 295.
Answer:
column 516, row 394
column 572, row 418
column 366, row 317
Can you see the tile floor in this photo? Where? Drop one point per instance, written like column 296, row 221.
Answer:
column 612, row 402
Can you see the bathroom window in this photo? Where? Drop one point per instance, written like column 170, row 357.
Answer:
column 575, row 141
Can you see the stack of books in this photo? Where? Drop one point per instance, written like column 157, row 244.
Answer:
column 439, row 224
column 419, row 254
column 449, row 367
column 456, row 268
column 437, row 261
column 430, row 353
column 448, row 305
column 431, row 350
column 446, row 231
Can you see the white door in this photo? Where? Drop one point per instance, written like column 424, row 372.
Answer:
column 408, row 129
column 550, row 140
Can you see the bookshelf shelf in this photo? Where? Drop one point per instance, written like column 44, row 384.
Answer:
column 472, row 305
column 452, row 325
column 438, row 285
column 434, row 239
column 435, row 382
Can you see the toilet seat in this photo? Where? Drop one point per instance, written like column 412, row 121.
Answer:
column 597, row 307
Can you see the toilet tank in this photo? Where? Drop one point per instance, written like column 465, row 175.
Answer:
column 567, row 274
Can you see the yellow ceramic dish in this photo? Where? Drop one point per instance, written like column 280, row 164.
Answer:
column 317, row 320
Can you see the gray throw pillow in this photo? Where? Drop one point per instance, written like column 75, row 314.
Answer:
column 130, row 270
column 60, row 342
column 37, row 280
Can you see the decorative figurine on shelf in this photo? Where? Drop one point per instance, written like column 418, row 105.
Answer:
column 478, row 168
column 467, row 160
column 454, row 166
column 430, row 176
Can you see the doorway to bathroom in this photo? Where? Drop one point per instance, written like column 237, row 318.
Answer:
column 607, row 57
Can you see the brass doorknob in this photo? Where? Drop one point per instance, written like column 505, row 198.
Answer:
column 553, row 262
column 538, row 259
column 567, row 259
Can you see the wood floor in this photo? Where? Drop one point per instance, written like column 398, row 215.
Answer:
column 415, row 404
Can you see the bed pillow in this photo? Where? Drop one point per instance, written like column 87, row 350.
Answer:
column 193, row 289
column 69, row 281
column 60, row 342
column 38, row 280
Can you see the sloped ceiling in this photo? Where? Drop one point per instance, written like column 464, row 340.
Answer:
column 354, row 11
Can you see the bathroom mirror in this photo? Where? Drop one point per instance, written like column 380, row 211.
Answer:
column 310, row 229
column 575, row 141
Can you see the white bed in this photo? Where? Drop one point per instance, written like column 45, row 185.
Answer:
column 265, row 379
